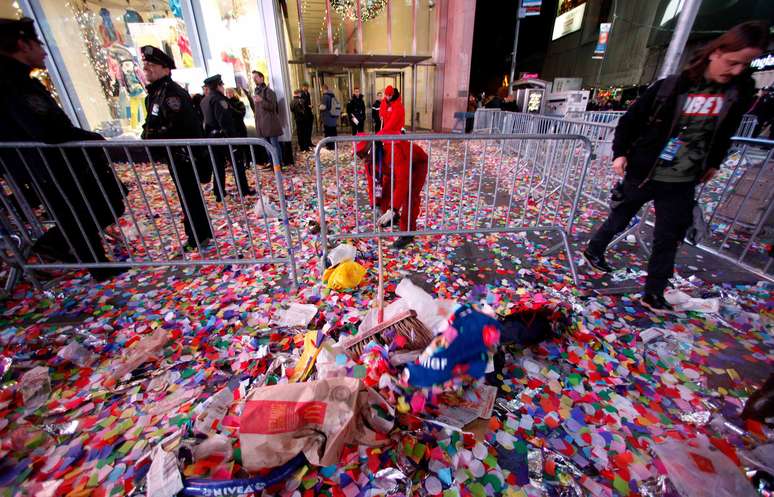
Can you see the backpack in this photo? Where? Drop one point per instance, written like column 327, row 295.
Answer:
column 335, row 107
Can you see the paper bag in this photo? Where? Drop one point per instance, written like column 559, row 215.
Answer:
column 316, row 418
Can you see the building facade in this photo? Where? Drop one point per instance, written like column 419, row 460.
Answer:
column 95, row 69
column 639, row 35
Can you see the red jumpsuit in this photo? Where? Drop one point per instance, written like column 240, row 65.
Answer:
column 393, row 116
column 395, row 188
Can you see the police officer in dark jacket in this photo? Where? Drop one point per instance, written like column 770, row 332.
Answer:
column 242, row 153
column 220, row 121
column 171, row 115
column 82, row 196
column 673, row 137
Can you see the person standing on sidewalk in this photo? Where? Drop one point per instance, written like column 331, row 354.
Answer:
column 391, row 112
column 221, row 121
column 356, row 112
column 673, row 137
column 330, row 111
column 299, row 116
column 306, row 136
column 375, row 112
column 267, row 118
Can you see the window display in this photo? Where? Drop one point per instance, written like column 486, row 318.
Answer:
column 108, row 81
column 236, row 44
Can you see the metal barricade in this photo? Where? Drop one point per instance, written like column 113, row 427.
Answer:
column 600, row 174
column 747, row 126
column 596, row 116
column 487, row 120
column 468, row 185
column 147, row 203
column 738, row 205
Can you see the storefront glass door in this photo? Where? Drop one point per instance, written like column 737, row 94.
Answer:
column 98, row 44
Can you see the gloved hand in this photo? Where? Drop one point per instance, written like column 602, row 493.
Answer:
column 386, row 218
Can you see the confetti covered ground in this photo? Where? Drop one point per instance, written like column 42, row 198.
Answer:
column 579, row 416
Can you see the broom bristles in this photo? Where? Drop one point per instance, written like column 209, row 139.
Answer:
column 405, row 324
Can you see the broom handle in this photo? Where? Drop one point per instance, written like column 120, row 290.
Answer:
column 380, row 293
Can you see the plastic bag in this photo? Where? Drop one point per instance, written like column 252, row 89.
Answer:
column 264, row 207
column 698, row 469
column 433, row 313
column 681, row 301
column 341, row 253
column 142, row 351
column 346, row 275
column 35, row 387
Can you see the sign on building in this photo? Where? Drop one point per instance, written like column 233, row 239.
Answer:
column 604, row 33
column 530, row 7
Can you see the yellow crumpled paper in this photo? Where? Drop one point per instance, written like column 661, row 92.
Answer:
column 346, row 275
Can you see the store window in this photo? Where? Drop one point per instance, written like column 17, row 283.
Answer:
column 236, row 44
column 12, row 10
column 99, row 44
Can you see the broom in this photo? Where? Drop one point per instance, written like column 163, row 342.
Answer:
column 405, row 324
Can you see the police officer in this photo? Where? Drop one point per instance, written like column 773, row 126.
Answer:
column 30, row 114
column 220, row 122
column 171, row 115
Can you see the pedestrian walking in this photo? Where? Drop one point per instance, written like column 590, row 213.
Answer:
column 673, row 137
column 330, row 111
column 79, row 194
column 268, row 124
column 171, row 115
column 377, row 121
column 356, row 112
column 222, row 121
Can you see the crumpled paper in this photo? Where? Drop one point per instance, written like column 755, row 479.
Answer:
column 316, row 417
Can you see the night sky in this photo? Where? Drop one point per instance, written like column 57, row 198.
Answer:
column 493, row 42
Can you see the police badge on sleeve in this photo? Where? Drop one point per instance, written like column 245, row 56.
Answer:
column 173, row 103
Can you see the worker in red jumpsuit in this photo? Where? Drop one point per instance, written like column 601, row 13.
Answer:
column 399, row 188
column 392, row 113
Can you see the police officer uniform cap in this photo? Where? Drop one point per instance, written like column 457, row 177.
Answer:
column 157, row 56
column 214, row 80
column 20, row 29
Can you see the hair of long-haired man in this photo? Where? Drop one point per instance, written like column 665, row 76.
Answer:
column 750, row 34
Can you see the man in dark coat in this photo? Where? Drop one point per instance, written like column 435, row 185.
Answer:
column 306, row 131
column 299, row 116
column 330, row 110
column 267, row 118
column 171, row 115
column 239, row 110
column 375, row 112
column 80, row 192
column 356, row 112
column 220, row 122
